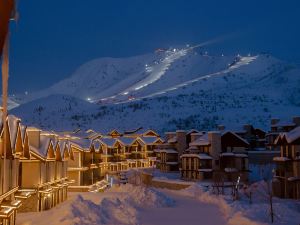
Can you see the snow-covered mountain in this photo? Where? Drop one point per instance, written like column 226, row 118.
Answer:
column 168, row 89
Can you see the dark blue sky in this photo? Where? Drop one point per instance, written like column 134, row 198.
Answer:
column 54, row 37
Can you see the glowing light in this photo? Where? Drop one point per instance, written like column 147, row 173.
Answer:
column 125, row 93
column 88, row 99
column 26, row 92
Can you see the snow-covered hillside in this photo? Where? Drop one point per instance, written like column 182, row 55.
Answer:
column 173, row 89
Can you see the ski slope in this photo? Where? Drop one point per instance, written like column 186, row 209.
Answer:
column 173, row 89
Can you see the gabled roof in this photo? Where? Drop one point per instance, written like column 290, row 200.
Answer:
column 284, row 124
column 289, row 137
column 115, row 131
column 126, row 140
column 81, row 143
column 172, row 139
column 192, row 131
column 45, row 143
column 13, row 126
column 201, row 141
column 150, row 140
column 108, row 141
column 236, row 135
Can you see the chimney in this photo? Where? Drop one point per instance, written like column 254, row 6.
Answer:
column 33, row 136
column 214, row 138
column 181, row 145
column 296, row 120
column 195, row 136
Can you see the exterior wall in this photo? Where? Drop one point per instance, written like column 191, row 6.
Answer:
column 215, row 147
column 31, row 174
column 191, row 168
column 75, row 175
column 181, row 144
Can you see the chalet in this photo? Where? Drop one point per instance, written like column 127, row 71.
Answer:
column 44, row 173
column 234, row 157
column 286, row 182
column 87, row 167
column 150, row 143
column 214, row 151
column 9, row 189
column 254, row 136
column 168, row 153
column 278, row 126
column 202, row 157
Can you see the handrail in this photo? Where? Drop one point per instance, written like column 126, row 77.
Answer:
column 8, row 193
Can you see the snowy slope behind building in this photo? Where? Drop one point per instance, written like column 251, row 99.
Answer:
column 175, row 89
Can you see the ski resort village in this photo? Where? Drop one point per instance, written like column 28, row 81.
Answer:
column 162, row 132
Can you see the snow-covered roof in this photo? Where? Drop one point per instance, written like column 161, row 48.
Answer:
column 149, row 140
column 13, row 125
column 172, row 140
column 290, row 137
column 227, row 154
column 108, row 141
column 201, row 141
column 293, row 178
column 193, row 131
column 199, row 156
column 241, row 155
column 205, row 170
column 281, row 159
column 168, row 150
column 83, row 143
column 45, row 141
column 126, row 140
column 230, row 170
column 283, row 124
column 172, row 163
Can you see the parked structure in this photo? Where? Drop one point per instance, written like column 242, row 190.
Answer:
column 286, row 182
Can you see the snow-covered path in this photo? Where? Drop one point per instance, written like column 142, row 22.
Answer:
column 187, row 211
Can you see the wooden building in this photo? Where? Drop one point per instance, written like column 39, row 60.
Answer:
column 286, row 182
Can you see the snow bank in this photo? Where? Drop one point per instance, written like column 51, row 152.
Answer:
column 232, row 216
column 117, row 206
column 286, row 211
column 142, row 196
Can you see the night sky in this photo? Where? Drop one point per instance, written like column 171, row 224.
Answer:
column 54, row 37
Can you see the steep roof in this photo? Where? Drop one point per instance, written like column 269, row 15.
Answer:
column 149, row 140
column 201, row 141
column 108, row 141
column 236, row 135
column 290, row 137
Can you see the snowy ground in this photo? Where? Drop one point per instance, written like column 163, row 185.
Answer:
column 135, row 205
